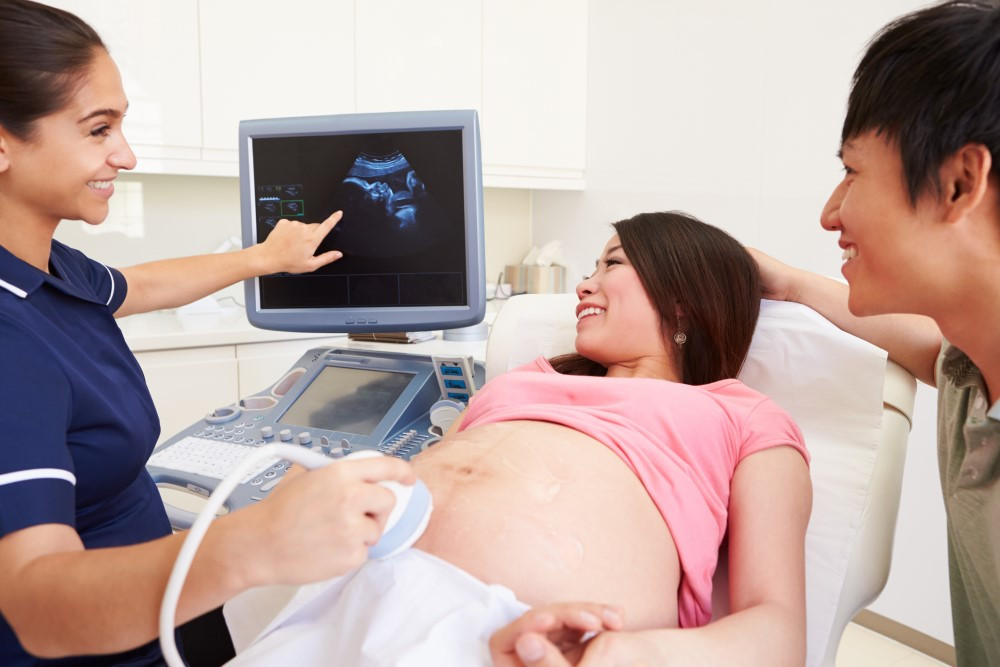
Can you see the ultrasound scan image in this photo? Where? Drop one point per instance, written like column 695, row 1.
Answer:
column 388, row 210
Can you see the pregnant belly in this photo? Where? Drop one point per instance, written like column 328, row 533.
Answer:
column 552, row 514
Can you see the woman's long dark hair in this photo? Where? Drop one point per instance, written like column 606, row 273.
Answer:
column 44, row 54
column 682, row 260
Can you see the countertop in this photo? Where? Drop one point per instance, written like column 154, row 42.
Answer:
column 172, row 329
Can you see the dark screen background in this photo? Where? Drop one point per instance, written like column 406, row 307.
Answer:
column 402, row 233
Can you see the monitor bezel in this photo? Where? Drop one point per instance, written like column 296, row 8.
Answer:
column 372, row 319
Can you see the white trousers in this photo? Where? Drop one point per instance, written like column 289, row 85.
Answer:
column 412, row 610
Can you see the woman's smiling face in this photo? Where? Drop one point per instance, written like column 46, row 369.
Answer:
column 617, row 324
column 66, row 168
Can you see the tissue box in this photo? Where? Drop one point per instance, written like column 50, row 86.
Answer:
column 535, row 279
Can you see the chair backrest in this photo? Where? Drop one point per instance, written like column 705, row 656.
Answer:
column 854, row 409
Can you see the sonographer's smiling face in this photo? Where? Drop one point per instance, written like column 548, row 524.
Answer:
column 617, row 325
column 66, row 168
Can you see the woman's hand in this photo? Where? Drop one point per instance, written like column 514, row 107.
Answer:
column 553, row 634
column 291, row 245
column 777, row 278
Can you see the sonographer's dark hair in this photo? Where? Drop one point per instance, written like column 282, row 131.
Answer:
column 44, row 54
column 929, row 82
column 682, row 260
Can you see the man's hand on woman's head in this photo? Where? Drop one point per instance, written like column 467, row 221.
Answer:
column 776, row 278
column 291, row 245
column 552, row 635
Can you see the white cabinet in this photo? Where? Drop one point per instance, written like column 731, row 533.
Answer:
column 417, row 56
column 194, row 68
column 266, row 59
column 188, row 383
column 522, row 64
column 155, row 45
column 534, row 88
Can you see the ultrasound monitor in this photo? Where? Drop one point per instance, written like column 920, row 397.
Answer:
column 410, row 187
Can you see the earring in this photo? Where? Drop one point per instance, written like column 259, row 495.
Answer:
column 680, row 338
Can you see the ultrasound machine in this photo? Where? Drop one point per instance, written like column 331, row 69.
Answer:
column 410, row 187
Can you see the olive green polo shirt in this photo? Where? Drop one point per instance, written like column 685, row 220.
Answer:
column 969, row 460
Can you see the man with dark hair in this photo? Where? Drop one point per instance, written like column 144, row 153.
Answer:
column 918, row 214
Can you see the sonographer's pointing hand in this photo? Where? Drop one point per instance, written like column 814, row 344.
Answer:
column 291, row 246
column 319, row 523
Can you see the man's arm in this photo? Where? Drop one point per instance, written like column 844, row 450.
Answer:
column 913, row 341
column 175, row 282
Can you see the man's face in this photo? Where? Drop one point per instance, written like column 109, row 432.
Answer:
column 889, row 245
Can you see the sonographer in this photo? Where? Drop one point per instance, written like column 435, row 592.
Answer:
column 85, row 545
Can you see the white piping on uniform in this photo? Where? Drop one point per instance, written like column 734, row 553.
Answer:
column 37, row 473
column 112, row 276
column 12, row 289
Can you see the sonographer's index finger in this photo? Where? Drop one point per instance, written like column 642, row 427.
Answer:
column 328, row 224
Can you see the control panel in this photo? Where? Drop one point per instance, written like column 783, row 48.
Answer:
column 333, row 401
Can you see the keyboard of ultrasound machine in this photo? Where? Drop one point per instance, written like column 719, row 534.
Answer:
column 210, row 458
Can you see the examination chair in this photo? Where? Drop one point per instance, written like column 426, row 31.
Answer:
column 855, row 410
column 852, row 405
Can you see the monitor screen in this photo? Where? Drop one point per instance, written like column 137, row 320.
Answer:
column 410, row 188
column 349, row 400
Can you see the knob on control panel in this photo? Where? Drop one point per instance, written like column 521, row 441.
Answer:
column 267, row 432
column 305, row 438
column 285, row 434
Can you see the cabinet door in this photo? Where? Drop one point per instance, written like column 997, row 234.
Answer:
column 417, row 56
column 187, row 384
column 155, row 45
column 267, row 60
column 534, row 87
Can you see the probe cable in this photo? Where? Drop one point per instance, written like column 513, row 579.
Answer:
column 168, row 609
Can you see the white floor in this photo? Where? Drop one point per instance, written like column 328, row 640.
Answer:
column 860, row 647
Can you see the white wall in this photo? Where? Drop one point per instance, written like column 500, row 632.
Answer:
column 732, row 111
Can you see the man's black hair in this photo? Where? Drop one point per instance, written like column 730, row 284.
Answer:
column 930, row 83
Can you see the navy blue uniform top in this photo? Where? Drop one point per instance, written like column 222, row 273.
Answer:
column 77, row 420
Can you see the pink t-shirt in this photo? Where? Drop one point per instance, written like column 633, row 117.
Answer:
column 682, row 441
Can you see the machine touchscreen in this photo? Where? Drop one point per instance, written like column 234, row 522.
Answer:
column 349, row 400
